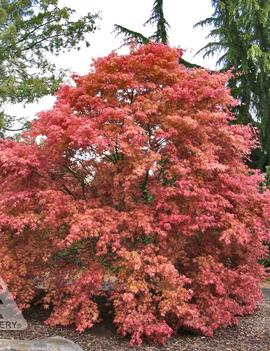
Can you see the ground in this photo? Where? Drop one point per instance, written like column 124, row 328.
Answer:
column 252, row 334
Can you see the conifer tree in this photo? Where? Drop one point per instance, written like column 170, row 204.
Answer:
column 241, row 34
column 160, row 35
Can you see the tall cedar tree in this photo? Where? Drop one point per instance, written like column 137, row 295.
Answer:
column 241, row 33
column 157, row 18
column 133, row 187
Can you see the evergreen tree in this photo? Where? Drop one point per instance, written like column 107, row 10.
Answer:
column 157, row 18
column 241, row 33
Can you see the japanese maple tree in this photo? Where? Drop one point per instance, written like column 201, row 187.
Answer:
column 136, row 180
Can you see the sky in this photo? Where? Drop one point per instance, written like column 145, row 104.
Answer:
column 181, row 15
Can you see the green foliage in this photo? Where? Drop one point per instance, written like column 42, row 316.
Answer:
column 160, row 35
column 157, row 18
column 130, row 35
column 266, row 261
column 240, row 33
column 30, row 31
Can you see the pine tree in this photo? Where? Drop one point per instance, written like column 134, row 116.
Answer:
column 241, row 33
column 157, row 19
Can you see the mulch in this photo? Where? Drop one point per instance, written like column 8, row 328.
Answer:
column 252, row 334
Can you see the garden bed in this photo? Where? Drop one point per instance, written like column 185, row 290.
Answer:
column 251, row 335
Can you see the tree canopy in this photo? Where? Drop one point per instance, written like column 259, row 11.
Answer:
column 136, row 181
column 30, row 32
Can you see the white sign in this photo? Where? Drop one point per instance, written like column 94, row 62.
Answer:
column 11, row 317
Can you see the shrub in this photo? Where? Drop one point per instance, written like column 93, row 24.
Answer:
column 136, row 176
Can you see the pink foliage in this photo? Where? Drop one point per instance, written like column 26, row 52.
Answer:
column 136, row 174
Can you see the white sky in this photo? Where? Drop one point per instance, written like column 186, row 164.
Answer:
column 181, row 15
